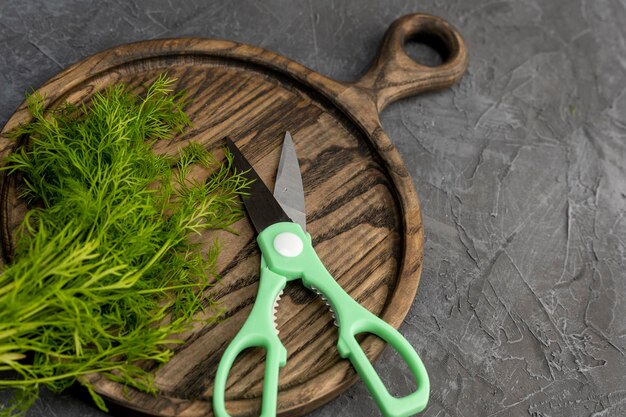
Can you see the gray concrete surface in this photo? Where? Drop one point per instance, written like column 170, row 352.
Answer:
column 520, row 170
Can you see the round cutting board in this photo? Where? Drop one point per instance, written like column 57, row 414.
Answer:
column 362, row 210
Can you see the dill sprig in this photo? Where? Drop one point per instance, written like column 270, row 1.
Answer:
column 104, row 276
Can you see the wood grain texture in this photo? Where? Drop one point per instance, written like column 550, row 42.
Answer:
column 358, row 194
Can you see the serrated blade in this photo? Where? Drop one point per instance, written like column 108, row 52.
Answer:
column 280, row 294
column 288, row 190
column 328, row 304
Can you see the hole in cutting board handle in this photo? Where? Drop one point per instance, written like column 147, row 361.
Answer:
column 427, row 49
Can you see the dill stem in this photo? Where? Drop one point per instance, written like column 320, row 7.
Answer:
column 46, row 380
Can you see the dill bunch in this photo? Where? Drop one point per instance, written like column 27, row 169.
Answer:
column 104, row 276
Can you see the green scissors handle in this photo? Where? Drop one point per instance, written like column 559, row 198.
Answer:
column 287, row 251
column 354, row 319
column 257, row 331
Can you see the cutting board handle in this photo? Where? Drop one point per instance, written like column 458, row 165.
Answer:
column 394, row 75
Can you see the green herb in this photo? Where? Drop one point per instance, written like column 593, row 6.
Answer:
column 104, row 276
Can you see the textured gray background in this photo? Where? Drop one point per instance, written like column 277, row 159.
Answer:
column 520, row 171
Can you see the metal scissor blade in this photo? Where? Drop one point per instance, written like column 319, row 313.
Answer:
column 260, row 204
column 288, row 189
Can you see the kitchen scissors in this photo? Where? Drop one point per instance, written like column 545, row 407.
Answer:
column 286, row 255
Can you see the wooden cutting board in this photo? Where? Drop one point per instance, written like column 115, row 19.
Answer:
column 362, row 209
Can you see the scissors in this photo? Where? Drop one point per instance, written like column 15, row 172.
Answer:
column 286, row 255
